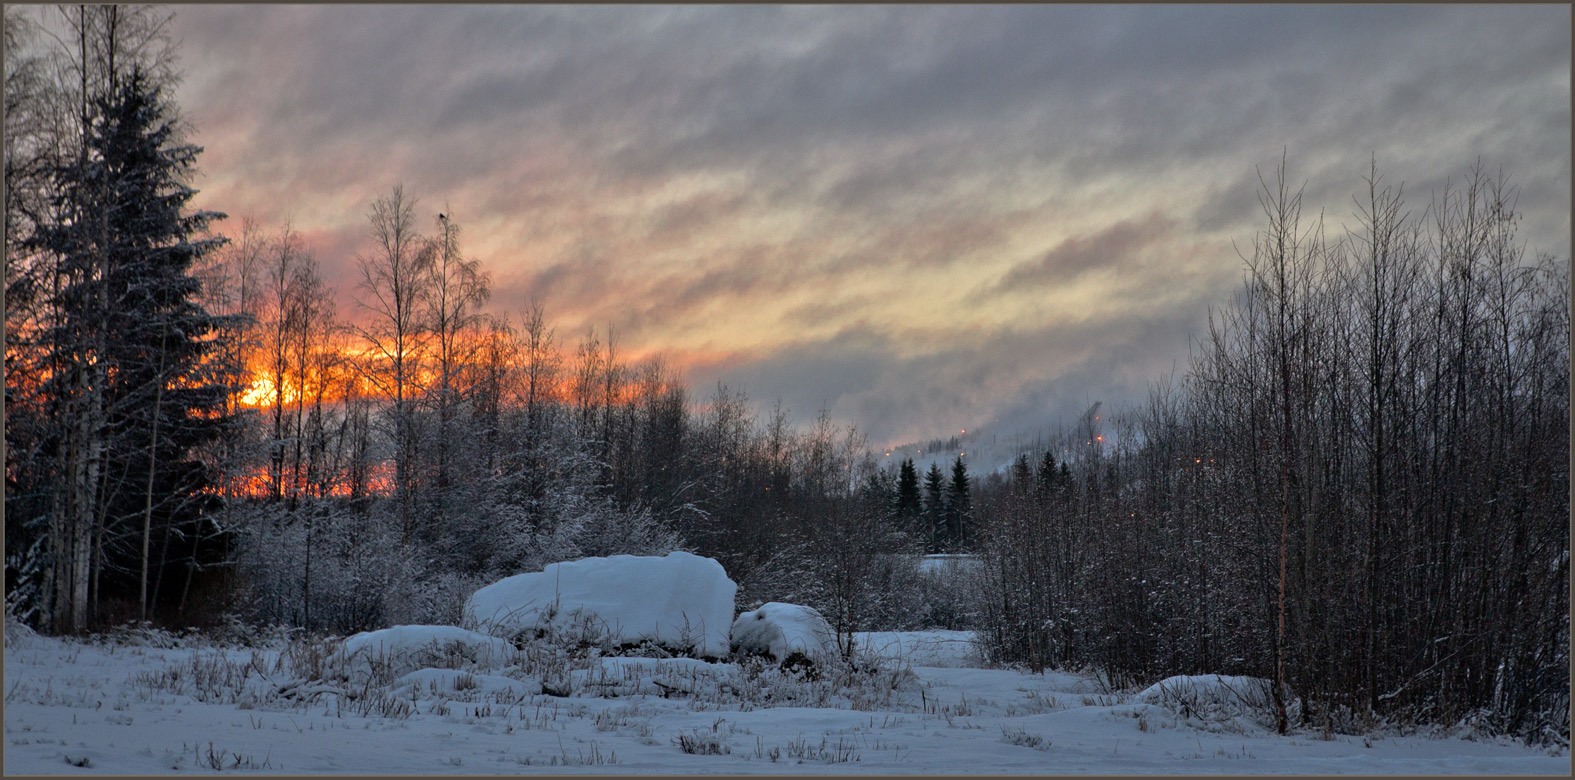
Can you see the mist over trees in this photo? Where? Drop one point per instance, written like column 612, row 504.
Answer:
column 1359, row 486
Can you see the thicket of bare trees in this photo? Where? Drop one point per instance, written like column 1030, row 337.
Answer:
column 516, row 452
column 1360, row 487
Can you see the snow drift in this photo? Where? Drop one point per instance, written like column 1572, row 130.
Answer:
column 450, row 681
column 935, row 647
column 403, row 649
column 783, row 630
column 663, row 677
column 680, row 601
column 1214, row 698
column 159, row 702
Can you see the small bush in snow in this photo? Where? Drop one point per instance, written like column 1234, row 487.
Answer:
column 699, row 744
column 841, row 753
column 144, row 634
column 857, row 684
column 1022, row 738
column 306, row 657
column 1218, row 700
column 212, row 676
column 392, row 652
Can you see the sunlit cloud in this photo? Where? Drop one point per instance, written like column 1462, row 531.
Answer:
column 919, row 217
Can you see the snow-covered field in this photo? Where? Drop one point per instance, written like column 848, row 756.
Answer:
column 79, row 708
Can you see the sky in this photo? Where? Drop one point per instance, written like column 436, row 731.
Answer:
column 919, row 218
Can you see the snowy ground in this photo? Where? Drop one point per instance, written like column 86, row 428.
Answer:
column 96, row 709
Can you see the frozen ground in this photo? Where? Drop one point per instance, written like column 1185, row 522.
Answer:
column 94, row 709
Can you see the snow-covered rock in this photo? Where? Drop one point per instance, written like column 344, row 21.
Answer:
column 783, row 630
column 680, row 601
column 1215, row 698
column 403, row 649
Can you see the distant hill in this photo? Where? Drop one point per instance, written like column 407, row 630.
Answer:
column 989, row 450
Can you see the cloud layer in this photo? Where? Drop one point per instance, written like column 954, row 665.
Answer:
column 921, row 217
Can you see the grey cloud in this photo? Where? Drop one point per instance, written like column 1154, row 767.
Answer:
column 1114, row 248
column 914, row 136
column 1030, row 377
column 826, row 310
column 869, row 72
column 1227, row 205
column 648, row 92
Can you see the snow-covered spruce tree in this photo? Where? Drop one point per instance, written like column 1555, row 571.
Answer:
column 959, row 512
column 134, row 345
column 909, row 506
column 935, row 506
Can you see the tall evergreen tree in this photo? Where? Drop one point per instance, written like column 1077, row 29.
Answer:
column 959, row 504
column 1022, row 473
column 136, row 343
column 909, row 506
column 935, row 505
column 1047, row 477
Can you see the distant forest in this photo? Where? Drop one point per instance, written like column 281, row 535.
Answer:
column 1359, row 486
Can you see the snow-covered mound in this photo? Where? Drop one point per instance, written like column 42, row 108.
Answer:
column 17, row 633
column 403, row 649
column 625, row 676
column 680, row 601
column 451, row 681
column 950, row 564
column 953, row 649
column 782, row 630
column 1214, row 698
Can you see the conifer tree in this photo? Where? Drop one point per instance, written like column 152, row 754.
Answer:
column 136, row 340
column 935, row 505
column 909, row 505
column 1022, row 473
column 1047, row 477
column 959, row 505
